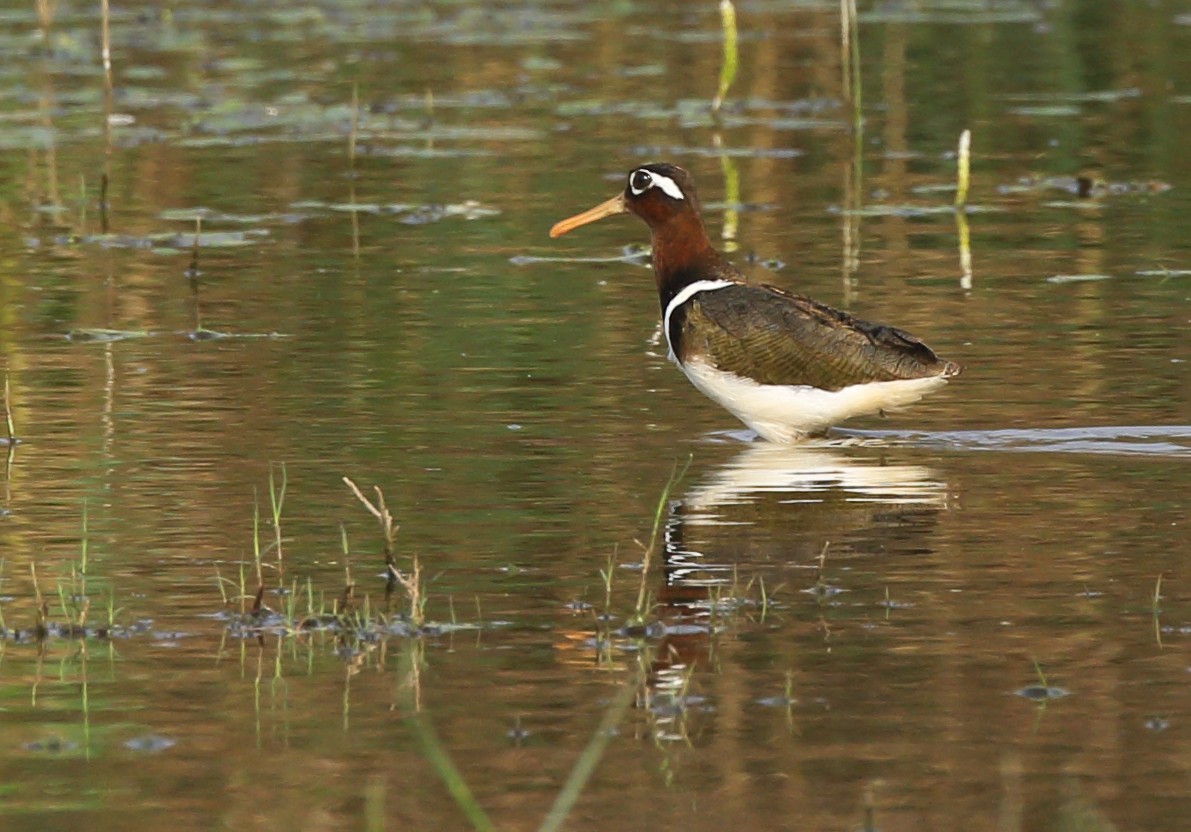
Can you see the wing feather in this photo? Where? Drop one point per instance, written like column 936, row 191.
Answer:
column 774, row 337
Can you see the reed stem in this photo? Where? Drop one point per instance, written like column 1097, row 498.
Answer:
column 731, row 53
column 963, row 162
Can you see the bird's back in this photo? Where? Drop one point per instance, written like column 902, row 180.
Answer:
column 773, row 337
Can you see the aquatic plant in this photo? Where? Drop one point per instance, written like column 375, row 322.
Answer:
column 442, row 763
column 728, row 64
column 650, row 552
column 11, row 438
column 963, row 160
column 353, row 620
column 73, row 592
column 411, row 581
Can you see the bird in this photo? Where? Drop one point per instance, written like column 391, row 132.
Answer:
column 785, row 365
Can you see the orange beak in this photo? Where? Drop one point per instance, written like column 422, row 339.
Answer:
column 605, row 209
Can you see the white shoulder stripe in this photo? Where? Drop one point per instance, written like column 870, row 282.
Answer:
column 682, row 297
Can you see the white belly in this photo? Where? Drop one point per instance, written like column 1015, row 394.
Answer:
column 785, row 413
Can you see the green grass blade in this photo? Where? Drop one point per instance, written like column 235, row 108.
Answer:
column 443, row 766
column 731, row 196
column 731, row 53
column 586, row 764
column 963, row 164
column 83, row 544
column 8, row 412
column 659, row 513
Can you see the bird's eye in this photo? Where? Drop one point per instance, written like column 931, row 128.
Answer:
column 640, row 181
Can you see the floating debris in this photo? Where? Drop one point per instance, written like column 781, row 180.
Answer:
column 534, row 63
column 365, row 208
column 935, row 188
column 518, row 732
column 52, row 745
column 912, row 210
column 824, row 590
column 1046, row 111
column 1083, row 186
column 773, row 264
column 1163, row 273
column 784, row 123
column 1077, row 278
column 468, row 210
column 636, row 254
column 423, row 152
column 105, row 335
column 1090, row 96
column 409, row 214
column 191, row 215
column 1041, row 693
column 953, row 13
column 209, row 239
column 173, row 243
column 658, row 152
column 205, row 334
column 777, row 701
column 149, row 743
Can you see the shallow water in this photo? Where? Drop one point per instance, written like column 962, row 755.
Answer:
column 856, row 634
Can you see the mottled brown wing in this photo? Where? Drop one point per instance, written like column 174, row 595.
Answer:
column 778, row 338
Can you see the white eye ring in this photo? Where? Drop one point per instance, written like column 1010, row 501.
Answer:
column 669, row 186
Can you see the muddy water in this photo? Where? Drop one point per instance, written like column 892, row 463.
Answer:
column 947, row 617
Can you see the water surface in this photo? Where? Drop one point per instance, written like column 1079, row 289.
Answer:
column 861, row 633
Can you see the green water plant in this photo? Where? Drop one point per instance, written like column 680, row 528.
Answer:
column 850, row 57
column 963, row 176
column 374, row 804
column 352, row 136
column 8, row 420
column 821, row 587
column 353, row 130
column 963, row 160
column 589, row 758
column 731, row 195
column 650, row 552
column 1156, row 610
column 452, row 778
column 730, row 56
column 192, row 271
column 349, row 616
column 607, row 574
column 276, row 503
column 73, row 592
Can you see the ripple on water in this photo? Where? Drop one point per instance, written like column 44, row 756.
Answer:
column 1126, row 440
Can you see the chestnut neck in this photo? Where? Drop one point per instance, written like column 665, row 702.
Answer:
column 682, row 254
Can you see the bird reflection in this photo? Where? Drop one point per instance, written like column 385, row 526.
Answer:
column 775, row 509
